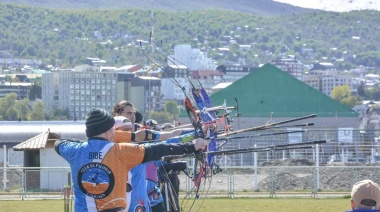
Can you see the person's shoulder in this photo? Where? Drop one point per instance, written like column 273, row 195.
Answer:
column 122, row 132
column 127, row 144
column 69, row 140
column 73, row 140
column 122, row 136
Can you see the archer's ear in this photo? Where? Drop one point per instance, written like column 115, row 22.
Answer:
column 352, row 204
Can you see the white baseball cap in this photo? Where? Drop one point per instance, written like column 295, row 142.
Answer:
column 121, row 121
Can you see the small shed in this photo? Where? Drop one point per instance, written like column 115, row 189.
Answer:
column 30, row 144
column 33, row 148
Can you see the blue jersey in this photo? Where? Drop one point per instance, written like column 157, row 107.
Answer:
column 138, row 197
column 152, row 185
column 99, row 171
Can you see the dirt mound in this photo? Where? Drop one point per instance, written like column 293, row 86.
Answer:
column 287, row 181
column 288, row 162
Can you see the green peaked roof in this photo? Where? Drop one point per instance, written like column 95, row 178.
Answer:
column 270, row 90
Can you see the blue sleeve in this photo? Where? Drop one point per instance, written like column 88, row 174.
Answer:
column 181, row 139
column 64, row 147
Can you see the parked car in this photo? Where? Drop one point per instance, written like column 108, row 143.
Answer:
column 335, row 158
column 377, row 159
column 357, row 160
column 361, row 160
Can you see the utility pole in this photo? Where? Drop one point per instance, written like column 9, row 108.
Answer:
column 151, row 41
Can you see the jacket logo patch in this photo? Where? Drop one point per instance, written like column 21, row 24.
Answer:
column 96, row 180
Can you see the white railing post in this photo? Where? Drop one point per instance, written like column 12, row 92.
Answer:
column 255, row 180
column 23, row 184
column 317, row 165
column 5, row 169
column 230, row 183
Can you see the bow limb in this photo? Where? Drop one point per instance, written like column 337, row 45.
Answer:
column 227, row 139
column 266, row 126
column 251, row 149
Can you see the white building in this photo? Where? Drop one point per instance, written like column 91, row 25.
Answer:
column 174, row 81
column 194, row 59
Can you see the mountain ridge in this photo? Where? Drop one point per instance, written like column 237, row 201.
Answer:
column 257, row 7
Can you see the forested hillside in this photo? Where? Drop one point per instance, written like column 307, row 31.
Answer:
column 65, row 38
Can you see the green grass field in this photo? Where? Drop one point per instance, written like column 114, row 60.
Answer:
column 220, row 205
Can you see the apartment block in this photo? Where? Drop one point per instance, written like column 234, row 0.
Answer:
column 326, row 83
column 234, row 72
column 290, row 65
column 20, row 88
column 80, row 91
column 206, row 78
column 324, row 77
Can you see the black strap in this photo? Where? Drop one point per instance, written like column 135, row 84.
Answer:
column 133, row 137
column 147, row 132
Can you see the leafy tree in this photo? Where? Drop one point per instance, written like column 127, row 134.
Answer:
column 23, row 108
column 350, row 101
column 361, row 90
column 160, row 117
column 58, row 114
column 171, row 108
column 35, row 92
column 38, row 111
column 7, row 102
column 343, row 94
column 373, row 93
column 11, row 114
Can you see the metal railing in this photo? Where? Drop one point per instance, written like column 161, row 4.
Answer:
column 266, row 181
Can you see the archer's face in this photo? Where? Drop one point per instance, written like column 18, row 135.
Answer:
column 129, row 113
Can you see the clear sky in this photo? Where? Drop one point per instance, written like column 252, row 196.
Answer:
column 335, row 5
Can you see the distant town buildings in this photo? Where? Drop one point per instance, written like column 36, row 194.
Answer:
column 322, row 76
column 94, row 84
column 18, row 62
